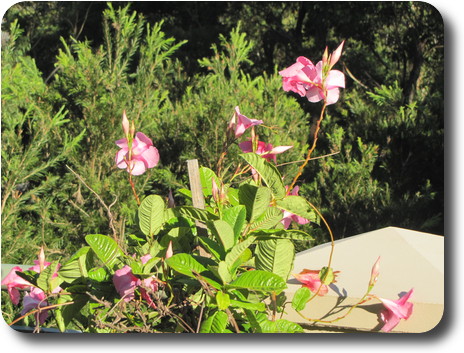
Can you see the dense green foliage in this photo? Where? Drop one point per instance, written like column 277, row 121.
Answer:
column 69, row 69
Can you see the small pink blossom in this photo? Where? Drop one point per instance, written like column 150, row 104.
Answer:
column 316, row 82
column 288, row 217
column 239, row 123
column 311, row 280
column 396, row 310
column 265, row 150
column 137, row 156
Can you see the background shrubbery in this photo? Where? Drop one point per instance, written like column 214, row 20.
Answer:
column 69, row 69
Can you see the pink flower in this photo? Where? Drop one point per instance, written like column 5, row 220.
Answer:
column 316, row 82
column 289, row 217
column 125, row 283
column 395, row 311
column 311, row 280
column 265, row 150
column 125, row 124
column 137, row 156
column 13, row 283
column 239, row 123
column 33, row 300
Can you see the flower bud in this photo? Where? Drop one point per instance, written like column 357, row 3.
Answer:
column 41, row 259
column 125, row 123
column 374, row 272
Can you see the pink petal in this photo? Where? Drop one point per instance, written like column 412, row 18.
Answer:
column 280, row 149
column 122, row 143
column 336, row 55
column 119, row 159
column 125, row 283
column 143, row 138
column 137, row 166
column 246, row 146
column 390, row 320
column 151, row 157
column 333, row 95
column 33, row 300
column 334, row 79
column 314, row 94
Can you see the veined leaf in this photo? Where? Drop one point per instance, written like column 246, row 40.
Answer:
column 45, row 280
column 206, row 177
column 222, row 300
column 300, row 298
column 195, row 213
column 293, row 234
column 223, row 233
column 76, row 266
column 106, row 249
column 268, row 173
column 280, row 326
column 250, row 306
column 212, row 247
column 269, row 219
column 256, row 200
column 276, row 256
column 261, row 281
column 236, row 217
column 236, row 252
column 298, row 206
column 189, row 266
column 216, row 323
column 151, row 214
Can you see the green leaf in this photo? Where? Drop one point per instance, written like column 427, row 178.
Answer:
column 222, row 300
column 256, row 200
column 76, row 266
column 326, row 275
column 187, row 265
column 280, row 326
column 268, row 172
column 300, row 298
column 206, row 177
column 236, row 217
column 151, row 214
column 275, row 255
column 293, row 234
column 106, row 249
column 216, row 323
column 224, row 272
column 298, row 206
column 258, row 280
column 237, row 251
column 223, row 233
column 45, row 280
column 66, row 313
column 212, row 247
column 271, row 217
column 195, row 213
column 249, row 306
column 232, row 196
column 98, row 274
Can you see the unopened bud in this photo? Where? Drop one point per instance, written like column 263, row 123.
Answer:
column 41, row 259
column 125, row 123
column 374, row 272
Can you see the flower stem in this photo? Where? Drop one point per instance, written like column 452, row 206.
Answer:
column 310, row 151
column 133, row 189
